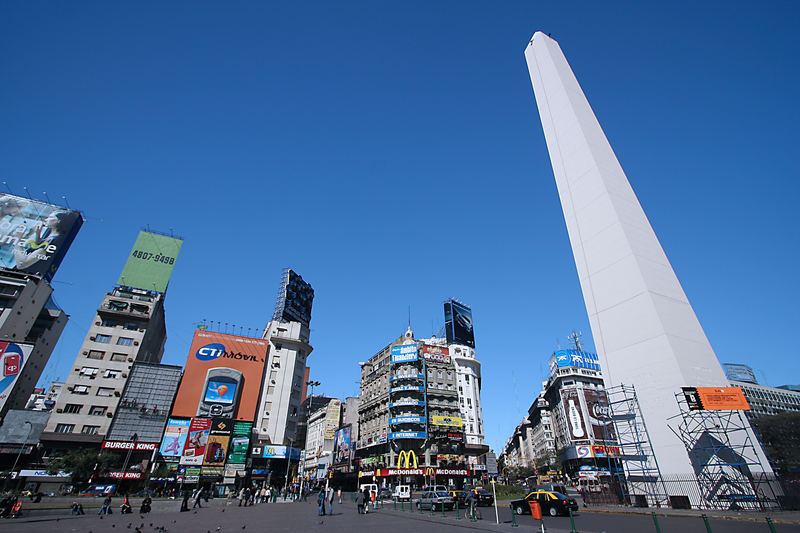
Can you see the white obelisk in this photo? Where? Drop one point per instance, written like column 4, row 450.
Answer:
column 645, row 331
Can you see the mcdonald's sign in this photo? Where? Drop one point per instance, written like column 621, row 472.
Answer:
column 410, row 459
column 430, row 471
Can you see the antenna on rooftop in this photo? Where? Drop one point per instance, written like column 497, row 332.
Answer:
column 575, row 337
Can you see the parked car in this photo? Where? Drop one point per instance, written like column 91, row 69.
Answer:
column 385, row 493
column 435, row 500
column 552, row 503
column 550, row 487
column 458, row 496
column 435, row 488
column 484, row 496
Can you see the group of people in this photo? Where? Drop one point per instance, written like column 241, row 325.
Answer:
column 125, row 508
column 325, row 497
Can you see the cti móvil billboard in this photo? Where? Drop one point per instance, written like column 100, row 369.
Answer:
column 34, row 236
column 150, row 264
column 222, row 376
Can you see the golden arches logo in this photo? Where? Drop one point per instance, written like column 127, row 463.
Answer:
column 410, row 459
column 430, row 471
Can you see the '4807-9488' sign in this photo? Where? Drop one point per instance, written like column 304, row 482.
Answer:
column 149, row 256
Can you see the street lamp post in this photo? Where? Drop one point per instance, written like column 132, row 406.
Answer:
column 24, row 443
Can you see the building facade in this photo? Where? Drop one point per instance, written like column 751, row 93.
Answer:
column 46, row 399
column 129, row 327
column 768, row 401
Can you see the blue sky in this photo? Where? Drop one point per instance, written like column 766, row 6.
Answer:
column 391, row 153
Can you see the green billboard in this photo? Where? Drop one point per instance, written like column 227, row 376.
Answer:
column 151, row 262
column 240, row 442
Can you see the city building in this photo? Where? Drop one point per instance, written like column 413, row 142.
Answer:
column 34, row 239
column 419, row 402
column 647, row 335
column 129, row 327
column 45, row 399
column 767, row 401
column 322, row 425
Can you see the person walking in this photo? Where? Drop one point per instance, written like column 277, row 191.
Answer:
column 360, row 502
column 106, row 508
column 329, row 495
column 339, row 493
column 240, row 496
column 321, row 502
column 197, row 496
column 185, row 502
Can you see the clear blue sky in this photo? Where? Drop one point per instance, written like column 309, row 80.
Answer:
column 392, row 154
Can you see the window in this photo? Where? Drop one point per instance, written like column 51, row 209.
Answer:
column 95, row 354
column 105, row 391
column 119, row 356
column 64, row 428
column 133, row 326
column 105, row 339
column 466, row 378
column 97, row 410
column 108, row 323
column 72, row 408
column 125, row 341
column 89, row 372
column 80, row 389
column 113, row 374
column 90, row 430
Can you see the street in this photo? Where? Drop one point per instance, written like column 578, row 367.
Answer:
column 221, row 515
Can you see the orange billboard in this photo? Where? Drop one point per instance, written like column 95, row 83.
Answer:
column 222, row 377
column 722, row 398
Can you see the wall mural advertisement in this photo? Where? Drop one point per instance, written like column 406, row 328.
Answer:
column 332, row 416
column 34, row 236
column 574, row 414
column 150, row 264
column 174, row 438
column 439, row 354
column 196, row 441
column 240, row 442
column 342, row 450
column 458, row 323
column 599, row 415
column 222, row 377
column 13, row 357
column 218, row 440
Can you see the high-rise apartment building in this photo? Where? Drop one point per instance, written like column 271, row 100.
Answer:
column 129, row 327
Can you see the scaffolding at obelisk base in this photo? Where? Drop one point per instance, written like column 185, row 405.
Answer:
column 729, row 471
column 639, row 479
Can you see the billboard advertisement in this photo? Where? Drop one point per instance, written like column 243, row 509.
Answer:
column 196, row 440
column 332, row 416
column 295, row 299
column 218, row 439
column 722, row 399
column 14, row 356
column 576, row 358
column 599, row 414
column 454, row 421
column 174, row 438
column 34, row 236
column 574, row 414
column 458, row 323
column 342, row 449
column 222, row 377
column 439, row 354
column 151, row 261
column 404, row 354
column 281, row 452
column 240, row 442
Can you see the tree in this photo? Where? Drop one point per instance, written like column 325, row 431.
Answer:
column 780, row 435
column 81, row 464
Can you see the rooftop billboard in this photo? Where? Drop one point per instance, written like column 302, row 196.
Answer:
column 222, row 377
column 295, row 299
column 563, row 358
column 151, row 262
column 404, row 354
column 440, row 354
column 458, row 323
column 34, row 236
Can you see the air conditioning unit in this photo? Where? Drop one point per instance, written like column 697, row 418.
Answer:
column 136, row 343
column 97, row 323
column 91, row 338
column 124, row 375
column 110, row 415
column 116, row 393
column 130, row 360
column 59, row 410
column 85, row 353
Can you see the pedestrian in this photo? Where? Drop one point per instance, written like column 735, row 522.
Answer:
column 274, row 494
column 146, row 505
column 366, row 493
column 106, row 508
column 360, row 502
column 339, row 493
column 321, row 502
column 185, row 502
column 197, row 496
column 240, row 496
column 77, row 509
column 329, row 495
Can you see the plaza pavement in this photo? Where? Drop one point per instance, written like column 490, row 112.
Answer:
column 224, row 516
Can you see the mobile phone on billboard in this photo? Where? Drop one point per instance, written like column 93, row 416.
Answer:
column 11, row 364
column 221, row 392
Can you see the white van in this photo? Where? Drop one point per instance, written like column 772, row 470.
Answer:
column 402, row 492
column 371, row 487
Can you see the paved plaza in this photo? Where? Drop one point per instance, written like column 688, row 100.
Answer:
column 221, row 515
